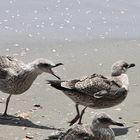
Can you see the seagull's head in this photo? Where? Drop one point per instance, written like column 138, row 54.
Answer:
column 120, row 67
column 102, row 120
column 45, row 65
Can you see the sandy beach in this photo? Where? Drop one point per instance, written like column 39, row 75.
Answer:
column 88, row 37
column 55, row 109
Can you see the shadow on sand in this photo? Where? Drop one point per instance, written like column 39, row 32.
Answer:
column 121, row 131
column 19, row 121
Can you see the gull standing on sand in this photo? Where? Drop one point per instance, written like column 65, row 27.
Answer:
column 17, row 77
column 96, row 91
column 98, row 130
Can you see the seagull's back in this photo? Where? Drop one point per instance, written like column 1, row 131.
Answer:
column 80, row 132
column 8, row 62
column 95, row 91
column 15, row 76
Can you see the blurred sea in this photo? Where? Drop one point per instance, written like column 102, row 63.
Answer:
column 68, row 20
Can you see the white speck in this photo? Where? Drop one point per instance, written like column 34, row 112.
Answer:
column 35, row 18
column 16, row 30
column 38, row 122
column 6, row 11
column 78, row 1
column 61, row 27
column 100, row 64
column 16, row 45
column 5, row 20
column 38, row 33
column 73, row 27
column 95, row 50
column 62, row 14
column 102, row 36
column 18, row 15
column 89, row 11
column 6, row 27
column 64, row 69
column 88, row 28
column 100, row 12
column 11, row 1
column 104, row 22
column 37, row 26
column 7, row 49
column 30, row 35
column 66, row 9
column 35, row 11
column 54, row 50
column 52, row 24
column 13, row 16
column 106, row 33
column 0, row 23
column 27, row 49
column 58, row 1
column 118, row 109
column 67, row 21
column 122, row 12
column 50, row 18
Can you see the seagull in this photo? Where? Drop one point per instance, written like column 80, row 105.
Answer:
column 98, row 130
column 17, row 77
column 96, row 91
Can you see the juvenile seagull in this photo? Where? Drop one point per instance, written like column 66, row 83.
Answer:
column 96, row 91
column 17, row 77
column 98, row 130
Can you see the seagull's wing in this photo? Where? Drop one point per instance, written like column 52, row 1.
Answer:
column 9, row 66
column 94, row 85
column 77, row 133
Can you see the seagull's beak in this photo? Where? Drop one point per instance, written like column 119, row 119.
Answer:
column 56, row 65
column 51, row 71
column 131, row 65
column 116, row 123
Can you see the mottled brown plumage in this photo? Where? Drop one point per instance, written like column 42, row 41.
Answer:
column 98, row 130
column 17, row 77
column 96, row 91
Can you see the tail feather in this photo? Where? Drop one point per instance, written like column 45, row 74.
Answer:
column 56, row 84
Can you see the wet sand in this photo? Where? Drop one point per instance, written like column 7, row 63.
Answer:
column 79, row 58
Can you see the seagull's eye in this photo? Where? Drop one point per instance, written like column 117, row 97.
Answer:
column 104, row 120
column 44, row 65
column 125, row 65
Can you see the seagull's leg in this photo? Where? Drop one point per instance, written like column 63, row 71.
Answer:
column 76, row 117
column 7, row 102
column 82, row 113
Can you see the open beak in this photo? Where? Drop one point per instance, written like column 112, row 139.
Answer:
column 131, row 65
column 51, row 72
column 116, row 123
column 56, row 65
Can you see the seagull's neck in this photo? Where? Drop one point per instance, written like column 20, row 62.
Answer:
column 123, row 78
column 100, row 130
column 33, row 67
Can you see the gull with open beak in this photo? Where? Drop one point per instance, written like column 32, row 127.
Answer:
column 17, row 77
